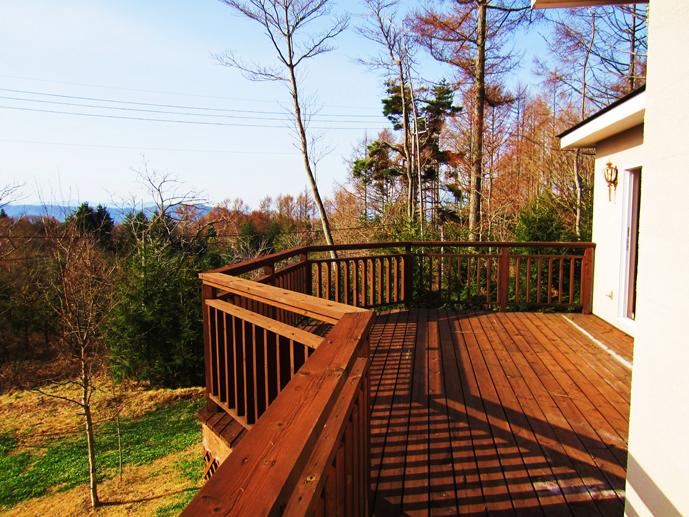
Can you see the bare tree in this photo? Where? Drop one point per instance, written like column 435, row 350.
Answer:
column 8, row 193
column 80, row 294
column 599, row 55
column 471, row 37
column 284, row 22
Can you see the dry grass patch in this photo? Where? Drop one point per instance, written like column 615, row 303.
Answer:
column 156, row 488
column 43, row 449
column 36, row 418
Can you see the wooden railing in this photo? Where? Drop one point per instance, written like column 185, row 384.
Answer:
column 302, row 395
column 503, row 275
column 286, row 354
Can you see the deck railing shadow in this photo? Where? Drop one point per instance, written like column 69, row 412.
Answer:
column 576, row 466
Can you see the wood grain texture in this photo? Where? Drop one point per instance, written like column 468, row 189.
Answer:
column 504, row 413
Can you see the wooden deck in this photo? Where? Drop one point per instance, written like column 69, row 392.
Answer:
column 501, row 413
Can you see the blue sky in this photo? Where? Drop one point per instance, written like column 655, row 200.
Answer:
column 160, row 52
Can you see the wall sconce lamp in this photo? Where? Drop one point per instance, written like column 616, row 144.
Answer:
column 610, row 173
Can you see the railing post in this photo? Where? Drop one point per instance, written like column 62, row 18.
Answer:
column 408, row 275
column 587, row 282
column 503, row 278
column 304, row 258
column 268, row 273
column 207, row 293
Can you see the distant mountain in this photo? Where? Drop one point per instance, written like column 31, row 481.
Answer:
column 61, row 212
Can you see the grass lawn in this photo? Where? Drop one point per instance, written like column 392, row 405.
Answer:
column 160, row 451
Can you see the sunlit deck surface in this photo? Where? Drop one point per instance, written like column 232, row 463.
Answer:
column 501, row 413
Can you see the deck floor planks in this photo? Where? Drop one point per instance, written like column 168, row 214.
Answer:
column 390, row 487
column 490, row 462
column 546, row 420
column 620, row 342
column 593, row 459
column 384, row 345
column 416, row 467
column 568, row 452
column 442, row 482
column 583, row 395
column 543, row 483
column 592, row 397
column 505, row 407
column 606, row 401
column 563, row 481
column 520, row 488
column 465, row 465
column 612, row 372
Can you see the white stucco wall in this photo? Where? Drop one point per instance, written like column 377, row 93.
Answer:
column 626, row 152
column 658, row 470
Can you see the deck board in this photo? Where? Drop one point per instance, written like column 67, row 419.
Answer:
column 505, row 413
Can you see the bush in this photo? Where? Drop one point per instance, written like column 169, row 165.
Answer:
column 540, row 221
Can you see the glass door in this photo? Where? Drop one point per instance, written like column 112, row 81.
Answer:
column 632, row 244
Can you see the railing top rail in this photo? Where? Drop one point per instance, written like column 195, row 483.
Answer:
column 255, row 263
column 307, row 305
column 261, row 472
column 464, row 244
column 269, row 260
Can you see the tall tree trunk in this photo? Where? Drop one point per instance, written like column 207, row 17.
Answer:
column 578, row 185
column 579, row 193
column 405, row 144
column 632, row 52
column 88, row 423
column 477, row 135
column 305, row 156
column 417, row 153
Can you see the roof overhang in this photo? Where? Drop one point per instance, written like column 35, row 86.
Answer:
column 619, row 116
column 544, row 4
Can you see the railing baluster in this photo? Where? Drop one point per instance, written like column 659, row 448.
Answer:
column 266, row 363
column 245, row 377
column 228, row 377
column 254, row 372
column 345, row 286
column 370, row 267
column 528, row 279
column 517, row 276
column 538, row 279
column 291, row 357
column 560, row 280
column 387, row 280
column 571, row 281
column 488, row 278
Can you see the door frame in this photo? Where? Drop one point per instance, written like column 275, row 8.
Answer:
column 631, row 193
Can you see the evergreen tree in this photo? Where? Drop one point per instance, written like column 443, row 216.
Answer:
column 155, row 334
column 96, row 222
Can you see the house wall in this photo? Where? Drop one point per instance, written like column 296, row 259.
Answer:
column 609, row 221
column 658, row 468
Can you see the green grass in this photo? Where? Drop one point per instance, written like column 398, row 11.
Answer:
column 63, row 464
column 176, row 508
column 190, row 470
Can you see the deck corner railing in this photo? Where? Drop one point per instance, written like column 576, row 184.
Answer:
column 286, row 353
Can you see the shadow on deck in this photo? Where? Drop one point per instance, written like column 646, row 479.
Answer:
column 497, row 412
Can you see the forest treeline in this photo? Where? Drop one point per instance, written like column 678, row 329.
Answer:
column 473, row 155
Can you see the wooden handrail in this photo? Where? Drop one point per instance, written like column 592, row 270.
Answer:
column 281, row 329
column 450, row 244
column 259, row 477
column 307, row 305
column 258, row 262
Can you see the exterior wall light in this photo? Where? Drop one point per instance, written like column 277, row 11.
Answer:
column 610, row 173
